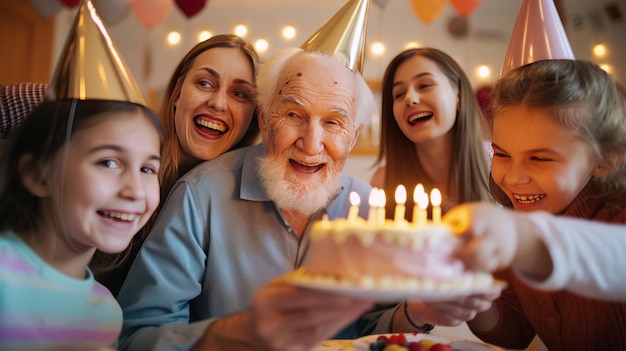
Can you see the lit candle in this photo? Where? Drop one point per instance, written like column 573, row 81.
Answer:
column 371, row 217
column 422, row 205
column 398, row 216
column 382, row 201
column 419, row 188
column 435, row 198
column 355, row 201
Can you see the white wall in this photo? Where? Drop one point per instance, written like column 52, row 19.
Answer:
column 489, row 28
column 152, row 61
column 360, row 166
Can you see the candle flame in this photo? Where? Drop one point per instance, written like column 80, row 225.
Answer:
column 420, row 197
column 355, row 199
column 422, row 201
column 381, row 199
column 400, row 194
column 435, row 197
column 372, row 201
column 419, row 189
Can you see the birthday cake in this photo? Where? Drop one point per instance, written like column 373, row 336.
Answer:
column 388, row 255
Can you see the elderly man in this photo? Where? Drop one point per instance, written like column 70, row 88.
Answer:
column 207, row 272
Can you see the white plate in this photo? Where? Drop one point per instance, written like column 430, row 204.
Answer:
column 393, row 295
column 363, row 344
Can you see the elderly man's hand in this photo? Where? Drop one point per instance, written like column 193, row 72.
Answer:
column 286, row 317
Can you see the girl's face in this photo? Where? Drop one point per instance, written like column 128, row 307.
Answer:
column 537, row 163
column 425, row 102
column 216, row 103
column 110, row 181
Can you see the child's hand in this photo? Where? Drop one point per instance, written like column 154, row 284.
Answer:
column 494, row 238
column 489, row 235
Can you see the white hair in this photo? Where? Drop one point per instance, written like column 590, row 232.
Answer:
column 267, row 85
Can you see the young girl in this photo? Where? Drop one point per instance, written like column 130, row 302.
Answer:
column 559, row 139
column 431, row 130
column 78, row 175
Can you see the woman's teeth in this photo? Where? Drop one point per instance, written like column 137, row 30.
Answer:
column 212, row 125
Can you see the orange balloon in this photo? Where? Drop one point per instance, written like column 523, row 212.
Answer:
column 151, row 12
column 465, row 7
column 428, row 10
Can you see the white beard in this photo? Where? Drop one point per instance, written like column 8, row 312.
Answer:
column 291, row 195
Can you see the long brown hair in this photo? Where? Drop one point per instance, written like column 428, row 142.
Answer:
column 468, row 163
column 170, row 158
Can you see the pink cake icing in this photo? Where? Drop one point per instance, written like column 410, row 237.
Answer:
column 393, row 255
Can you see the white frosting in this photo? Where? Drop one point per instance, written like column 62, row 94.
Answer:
column 385, row 255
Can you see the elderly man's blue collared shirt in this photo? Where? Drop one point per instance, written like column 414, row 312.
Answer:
column 217, row 241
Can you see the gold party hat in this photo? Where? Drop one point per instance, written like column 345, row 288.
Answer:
column 343, row 36
column 538, row 34
column 90, row 67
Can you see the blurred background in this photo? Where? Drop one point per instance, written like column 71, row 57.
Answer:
column 153, row 35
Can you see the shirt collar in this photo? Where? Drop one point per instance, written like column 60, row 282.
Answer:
column 251, row 185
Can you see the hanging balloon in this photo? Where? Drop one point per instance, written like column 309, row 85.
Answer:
column 381, row 3
column 151, row 12
column 428, row 10
column 46, row 8
column 112, row 11
column 70, row 3
column 190, row 7
column 465, row 7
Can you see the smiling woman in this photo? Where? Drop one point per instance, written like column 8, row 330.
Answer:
column 208, row 108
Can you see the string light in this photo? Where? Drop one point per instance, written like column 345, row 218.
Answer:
column 173, row 38
column 599, row 50
column 261, row 45
column 241, row 30
column 289, row 32
column 483, row 71
column 204, row 35
column 606, row 68
column 378, row 48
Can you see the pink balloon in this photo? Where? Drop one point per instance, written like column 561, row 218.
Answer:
column 151, row 13
column 70, row 3
column 46, row 8
column 112, row 11
column 191, row 7
column 465, row 7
